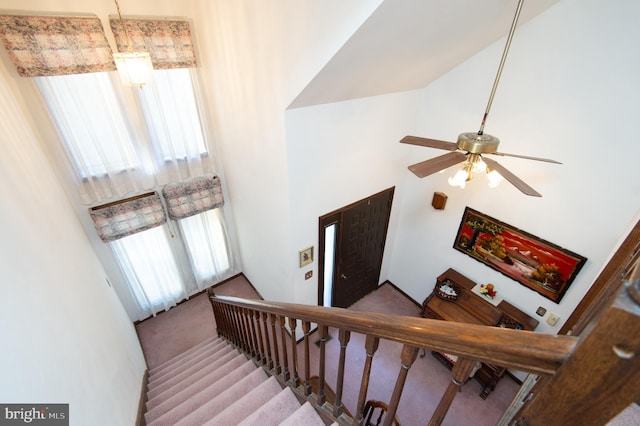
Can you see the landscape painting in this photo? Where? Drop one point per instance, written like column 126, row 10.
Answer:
column 535, row 263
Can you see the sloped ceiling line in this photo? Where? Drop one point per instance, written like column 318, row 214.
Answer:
column 407, row 44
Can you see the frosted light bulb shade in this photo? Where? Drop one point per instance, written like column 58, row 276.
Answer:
column 494, row 178
column 459, row 179
column 479, row 166
column 135, row 68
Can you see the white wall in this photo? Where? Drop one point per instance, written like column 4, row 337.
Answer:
column 340, row 153
column 65, row 336
column 569, row 91
column 261, row 55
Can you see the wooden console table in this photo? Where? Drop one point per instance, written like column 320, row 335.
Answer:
column 473, row 309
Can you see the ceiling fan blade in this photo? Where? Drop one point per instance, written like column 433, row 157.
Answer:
column 434, row 165
column 526, row 157
column 513, row 179
column 429, row 143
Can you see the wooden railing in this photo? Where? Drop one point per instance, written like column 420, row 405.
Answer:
column 267, row 331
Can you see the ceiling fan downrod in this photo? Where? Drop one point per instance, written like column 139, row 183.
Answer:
column 501, row 66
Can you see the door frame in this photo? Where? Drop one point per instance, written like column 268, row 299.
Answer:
column 335, row 216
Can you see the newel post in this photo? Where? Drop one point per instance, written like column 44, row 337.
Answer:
column 601, row 376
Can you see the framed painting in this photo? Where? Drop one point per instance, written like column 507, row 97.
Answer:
column 305, row 256
column 535, row 263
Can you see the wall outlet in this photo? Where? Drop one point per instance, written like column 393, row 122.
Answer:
column 308, row 275
column 553, row 319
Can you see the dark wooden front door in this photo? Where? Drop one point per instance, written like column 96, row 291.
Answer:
column 360, row 239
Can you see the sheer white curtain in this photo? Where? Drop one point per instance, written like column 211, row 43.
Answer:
column 106, row 157
column 206, row 241
column 154, row 276
column 110, row 151
column 175, row 126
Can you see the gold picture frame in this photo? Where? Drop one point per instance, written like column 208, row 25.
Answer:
column 305, row 256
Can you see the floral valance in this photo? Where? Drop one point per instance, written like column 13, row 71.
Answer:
column 46, row 45
column 198, row 195
column 168, row 41
column 122, row 218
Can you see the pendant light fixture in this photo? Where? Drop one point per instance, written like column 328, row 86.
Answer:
column 135, row 68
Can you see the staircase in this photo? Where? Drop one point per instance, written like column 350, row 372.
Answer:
column 215, row 384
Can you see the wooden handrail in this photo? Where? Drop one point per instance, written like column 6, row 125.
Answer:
column 518, row 349
column 258, row 328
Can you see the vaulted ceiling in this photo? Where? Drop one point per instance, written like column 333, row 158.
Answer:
column 407, row 44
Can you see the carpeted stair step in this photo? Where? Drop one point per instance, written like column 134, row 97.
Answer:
column 242, row 408
column 274, row 411
column 305, row 415
column 156, row 397
column 212, row 400
column 188, row 374
column 181, row 359
column 212, row 383
column 186, row 363
column 176, row 359
column 231, row 373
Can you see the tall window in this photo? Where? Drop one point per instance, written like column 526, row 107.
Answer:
column 206, row 238
column 91, row 123
column 171, row 114
column 117, row 142
column 151, row 269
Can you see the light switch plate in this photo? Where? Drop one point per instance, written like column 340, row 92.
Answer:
column 308, row 275
column 553, row 319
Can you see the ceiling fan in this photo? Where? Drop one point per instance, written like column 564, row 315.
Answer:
column 470, row 146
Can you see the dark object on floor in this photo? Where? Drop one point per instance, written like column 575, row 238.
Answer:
column 374, row 411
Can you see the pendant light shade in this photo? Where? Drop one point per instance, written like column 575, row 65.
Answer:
column 135, row 68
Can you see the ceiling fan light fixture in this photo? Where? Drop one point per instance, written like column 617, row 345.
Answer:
column 474, row 164
column 477, row 165
column 460, row 178
column 471, row 146
column 494, row 178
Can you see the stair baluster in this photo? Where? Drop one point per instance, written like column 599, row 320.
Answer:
column 255, row 317
column 371, row 346
column 345, row 335
column 238, row 329
column 306, row 327
column 265, row 328
column 249, row 333
column 274, row 340
column 295, row 379
column 257, row 335
column 285, row 360
column 407, row 357
column 460, row 372
column 321, row 397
